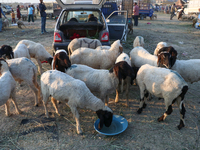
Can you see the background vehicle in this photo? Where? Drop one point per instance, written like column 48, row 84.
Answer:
column 192, row 7
column 6, row 9
column 73, row 23
column 53, row 9
column 145, row 9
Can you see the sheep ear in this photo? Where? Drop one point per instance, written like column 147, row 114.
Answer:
column 159, row 59
column 100, row 114
column 121, row 49
column 55, row 62
column 117, row 73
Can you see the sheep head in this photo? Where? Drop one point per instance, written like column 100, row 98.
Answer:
column 3, row 65
column 171, row 51
column 7, row 51
column 105, row 118
column 61, row 61
column 164, row 60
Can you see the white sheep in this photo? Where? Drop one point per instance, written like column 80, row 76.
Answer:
column 98, row 59
column 102, row 81
column 7, row 88
column 159, row 46
column 23, row 69
column 21, row 51
column 139, row 56
column 37, row 51
column 65, row 88
column 123, row 57
column 188, row 69
column 163, row 83
column 139, row 41
column 83, row 42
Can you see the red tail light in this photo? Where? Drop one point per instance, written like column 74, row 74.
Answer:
column 57, row 37
column 105, row 37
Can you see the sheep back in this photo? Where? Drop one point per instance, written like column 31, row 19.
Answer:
column 83, row 42
column 139, row 41
column 159, row 46
column 123, row 57
column 21, row 51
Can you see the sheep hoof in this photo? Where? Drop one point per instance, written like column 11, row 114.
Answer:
column 36, row 105
column 161, row 118
column 180, row 125
column 144, row 105
column 19, row 112
column 139, row 111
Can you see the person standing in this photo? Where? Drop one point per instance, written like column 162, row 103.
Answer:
column 136, row 14
column 173, row 10
column 30, row 14
column 18, row 13
column 13, row 17
column 1, row 21
column 43, row 15
column 197, row 25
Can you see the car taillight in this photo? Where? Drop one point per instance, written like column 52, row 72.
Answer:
column 57, row 37
column 105, row 37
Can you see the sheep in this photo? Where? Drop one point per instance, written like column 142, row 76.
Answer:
column 98, row 59
column 188, row 69
column 63, row 87
column 159, row 46
column 7, row 88
column 139, row 41
column 139, row 56
column 82, row 42
column 37, row 51
column 6, row 51
column 23, row 69
column 5, row 23
column 20, row 24
column 163, row 83
column 21, row 51
column 171, row 51
column 123, row 57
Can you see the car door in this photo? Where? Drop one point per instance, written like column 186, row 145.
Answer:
column 118, row 25
column 80, row 3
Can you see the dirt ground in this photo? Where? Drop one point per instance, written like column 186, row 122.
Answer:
column 31, row 130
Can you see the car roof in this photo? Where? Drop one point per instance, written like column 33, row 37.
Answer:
column 90, row 4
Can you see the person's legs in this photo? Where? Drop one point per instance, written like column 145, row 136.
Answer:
column 32, row 18
column 136, row 23
column 134, row 20
column 45, row 24
column 0, row 24
column 29, row 18
column 42, row 24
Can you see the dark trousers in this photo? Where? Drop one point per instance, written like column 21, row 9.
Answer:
column 30, row 17
column 43, row 24
column 136, row 20
column 172, row 15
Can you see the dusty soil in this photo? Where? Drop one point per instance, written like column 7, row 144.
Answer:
column 31, row 130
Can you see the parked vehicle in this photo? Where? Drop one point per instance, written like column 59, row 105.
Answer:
column 108, row 8
column 6, row 9
column 53, row 9
column 192, row 7
column 73, row 22
column 146, row 9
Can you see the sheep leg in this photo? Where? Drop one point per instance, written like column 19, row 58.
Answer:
column 76, row 115
column 45, row 102
column 142, row 100
column 40, row 66
column 15, row 104
column 122, row 86
column 7, row 108
column 39, row 91
column 106, row 100
column 169, row 110
column 36, row 93
column 54, row 101
column 117, row 95
column 182, row 113
column 128, row 80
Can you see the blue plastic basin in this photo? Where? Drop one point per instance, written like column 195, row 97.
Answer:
column 118, row 125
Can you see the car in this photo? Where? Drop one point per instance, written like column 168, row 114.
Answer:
column 73, row 22
column 6, row 9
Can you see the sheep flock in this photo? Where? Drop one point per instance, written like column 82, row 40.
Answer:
column 75, row 78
